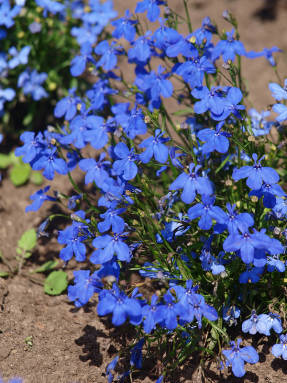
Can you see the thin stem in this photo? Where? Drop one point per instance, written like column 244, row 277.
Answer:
column 187, row 16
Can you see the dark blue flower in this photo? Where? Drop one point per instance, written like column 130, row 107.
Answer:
column 108, row 246
column 152, row 314
column 109, row 53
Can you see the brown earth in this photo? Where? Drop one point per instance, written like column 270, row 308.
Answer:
column 68, row 345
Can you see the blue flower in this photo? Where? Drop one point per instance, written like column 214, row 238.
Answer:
column 95, row 170
column 266, row 52
column 125, row 165
column 140, row 52
column 67, row 106
column 256, row 174
column 112, row 219
column 228, row 48
column 268, row 322
column 154, row 85
column 280, row 109
column 18, row 58
column 109, row 53
column 132, row 121
column 78, row 64
column 111, row 366
column 38, row 199
column 193, row 70
column 207, row 212
column 31, row 82
column 214, row 140
column 108, row 246
column 250, row 325
column 278, row 92
column 152, row 314
column 6, row 95
column 281, row 348
column 236, row 357
column 73, row 237
column 191, row 184
column 116, row 302
column 152, row 8
column 85, row 286
column 154, row 147
column 50, row 162
column 136, row 354
column 124, row 27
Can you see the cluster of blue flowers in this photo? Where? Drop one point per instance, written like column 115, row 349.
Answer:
column 200, row 207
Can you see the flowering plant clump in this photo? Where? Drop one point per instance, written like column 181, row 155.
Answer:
column 39, row 39
column 184, row 186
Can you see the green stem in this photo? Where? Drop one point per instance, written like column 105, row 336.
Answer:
column 187, row 16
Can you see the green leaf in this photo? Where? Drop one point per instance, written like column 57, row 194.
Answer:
column 28, row 240
column 47, row 266
column 4, row 274
column 56, row 283
column 183, row 112
column 5, row 161
column 36, row 178
column 19, row 174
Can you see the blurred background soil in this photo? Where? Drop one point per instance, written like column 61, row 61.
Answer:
column 69, row 345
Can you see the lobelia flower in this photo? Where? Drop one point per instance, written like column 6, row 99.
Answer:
column 246, row 243
column 258, row 123
column 125, row 165
column 250, row 325
column 278, row 92
column 136, row 354
column 6, row 95
column 140, row 52
column 268, row 322
column 111, row 367
column 112, row 219
column 154, row 85
column 73, row 237
column 193, row 70
column 266, row 52
column 251, row 275
column 228, row 48
column 256, row 174
column 85, row 286
column 164, row 36
column 192, row 184
column 78, row 64
column 269, row 191
column 67, row 106
column 182, row 45
column 152, row 8
column 132, row 121
column 38, row 199
column 281, row 348
column 207, row 212
column 154, row 147
column 230, row 314
column 280, row 109
column 125, row 27
column 18, row 58
column 109, row 54
column 30, row 82
column 214, row 139
column 152, row 314
column 117, row 303
column 108, row 246
column 50, row 162
column 95, row 170
column 236, row 356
